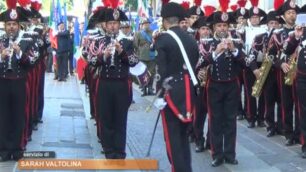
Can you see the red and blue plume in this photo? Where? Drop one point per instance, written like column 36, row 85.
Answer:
column 224, row 5
column 24, row 3
column 185, row 5
column 277, row 4
column 241, row 3
column 197, row 2
column 254, row 3
column 11, row 4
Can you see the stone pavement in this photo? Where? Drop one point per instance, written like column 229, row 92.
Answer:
column 68, row 130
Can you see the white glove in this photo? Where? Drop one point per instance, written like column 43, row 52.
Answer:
column 160, row 103
column 53, row 53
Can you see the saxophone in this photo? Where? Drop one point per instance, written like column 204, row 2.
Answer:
column 290, row 75
column 264, row 71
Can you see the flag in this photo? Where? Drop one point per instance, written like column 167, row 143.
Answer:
column 142, row 8
column 52, row 25
column 65, row 16
column 76, row 38
column 85, row 25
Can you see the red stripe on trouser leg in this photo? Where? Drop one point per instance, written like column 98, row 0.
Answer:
column 166, row 135
column 209, row 117
column 187, row 91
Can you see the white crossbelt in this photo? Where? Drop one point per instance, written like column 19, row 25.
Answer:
column 189, row 68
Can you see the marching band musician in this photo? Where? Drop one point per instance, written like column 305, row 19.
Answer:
column 91, row 48
column 296, row 42
column 205, row 35
column 223, row 87
column 289, row 12
column 14, row 61
column 177, row 91
column 241, row 15
column 40, row 67
column 254, row 112
column 260, row 48
column 114, row 94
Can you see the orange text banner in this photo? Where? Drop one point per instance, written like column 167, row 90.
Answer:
column 65, row 164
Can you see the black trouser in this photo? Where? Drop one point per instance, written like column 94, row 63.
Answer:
column 113, row 102
column 200, row 116
column 241, row 108
column 62, row 64
column 271, row 96
column 177, row 144
column 12, row 114
column 301, row 92
column 70, row 62
column 222, row 109
column 49, row 62
column 253, row 111
column 287, row 101
column 41, row 88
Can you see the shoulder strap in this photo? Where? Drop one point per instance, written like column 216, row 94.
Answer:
column 146, row 36
column 183, row 51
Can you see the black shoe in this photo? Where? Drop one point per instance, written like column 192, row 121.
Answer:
column 231, row 161
column 251, row 125
column 207, row 146
column 55, row 78
column 271, row 133
column 200, row 145
column 17, row 155
column 240, row 117
column 40, row 121
column 289, row 142
column 261, row 124
column 199, row 148
column 34, row 127
column 191, row 139
column 304, row 155
column 92, row 117
column 217, row 162
column 5, row 157
column 29, row 138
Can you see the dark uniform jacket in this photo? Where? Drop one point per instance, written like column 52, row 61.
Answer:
column 257, row 51
column 122, row 62
column 291, row 45
column 19, row 64
column 278, row 42
column 225, row 67
column 170, row 63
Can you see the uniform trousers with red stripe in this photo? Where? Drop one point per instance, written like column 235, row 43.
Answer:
column 253, row 112
column 222, row 98
column 271, row 96
column 177, row 143
column 301, row 92
column 113, row 102
column 200, row 116
column 12, row 115
column 287, row 102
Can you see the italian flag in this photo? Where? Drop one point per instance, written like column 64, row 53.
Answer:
column 52, row 24
column 143, row 8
